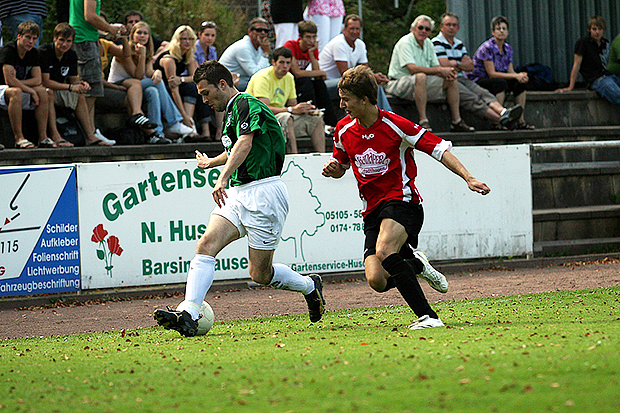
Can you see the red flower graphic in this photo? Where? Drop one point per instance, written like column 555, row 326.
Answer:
column 106, row 248
column 99, row 233
column 114, row 246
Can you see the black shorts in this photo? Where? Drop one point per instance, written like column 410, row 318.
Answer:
column 409, row 215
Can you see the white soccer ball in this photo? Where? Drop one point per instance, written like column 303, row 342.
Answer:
column 206, row 319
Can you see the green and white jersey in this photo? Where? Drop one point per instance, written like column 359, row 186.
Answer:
column 246, row 114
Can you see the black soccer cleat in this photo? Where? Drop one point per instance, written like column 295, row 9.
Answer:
column 315, row 300
column 180, row 321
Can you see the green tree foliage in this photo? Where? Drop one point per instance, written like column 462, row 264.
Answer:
column 383, row 23
column 164, row 16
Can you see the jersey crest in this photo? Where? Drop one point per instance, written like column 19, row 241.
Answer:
column 372, row 163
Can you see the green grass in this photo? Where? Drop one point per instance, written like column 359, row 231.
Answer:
column 542, row 352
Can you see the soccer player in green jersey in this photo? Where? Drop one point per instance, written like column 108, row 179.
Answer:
column 255, row 204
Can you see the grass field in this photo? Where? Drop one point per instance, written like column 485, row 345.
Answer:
column 542, row 352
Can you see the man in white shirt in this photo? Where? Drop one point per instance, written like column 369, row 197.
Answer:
column 250, row 54
column 345, row 51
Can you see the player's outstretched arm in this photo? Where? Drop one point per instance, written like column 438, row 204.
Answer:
column 453, row 164
column 333, row 169
column 204, row 162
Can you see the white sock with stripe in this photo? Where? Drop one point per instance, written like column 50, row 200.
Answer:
column 284, row 278
column 199, row 280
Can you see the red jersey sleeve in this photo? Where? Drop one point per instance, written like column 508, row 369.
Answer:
column 418, row 137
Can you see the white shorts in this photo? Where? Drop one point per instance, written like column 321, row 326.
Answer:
column 258, row 210
column 26, row 103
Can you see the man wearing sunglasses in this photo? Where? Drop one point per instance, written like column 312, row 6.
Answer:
column 415, row 74
column 250, row 54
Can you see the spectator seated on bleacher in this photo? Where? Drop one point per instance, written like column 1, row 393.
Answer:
column 309, row 78
column 140, row 66
column 415, row 74
column 178, row 65
column 134, row 16
column 275, row 87
column 250, row 54
column 591, row 54
column 205, row 50
column 59, row 71
column 494, row 71
column 127, row 95
column 345, row 51
column 451, row 52
column 20, row 85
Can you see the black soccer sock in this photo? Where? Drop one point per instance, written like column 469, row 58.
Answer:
column 408, row 286
column 416, row 265
column 407, row 253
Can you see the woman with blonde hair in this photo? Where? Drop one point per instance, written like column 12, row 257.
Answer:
column 139, row 65
column 178, row 65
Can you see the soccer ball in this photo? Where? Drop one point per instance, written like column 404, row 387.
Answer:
column 205, row 321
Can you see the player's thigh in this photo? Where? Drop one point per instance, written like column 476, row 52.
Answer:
column 392, row 236
column 219, row 233
column 261, row 262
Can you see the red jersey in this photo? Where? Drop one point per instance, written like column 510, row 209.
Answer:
column 382, row 156
column 303, row 58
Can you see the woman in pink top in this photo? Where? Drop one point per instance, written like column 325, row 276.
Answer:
column 327, row 15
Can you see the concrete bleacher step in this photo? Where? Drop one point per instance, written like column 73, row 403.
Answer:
column 543, row 109
column 571, row 185
column 576, row 197
column 561, row 224
column 576, row 246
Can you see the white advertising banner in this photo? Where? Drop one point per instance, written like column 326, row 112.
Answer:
column 39, row 240
column 139, row 221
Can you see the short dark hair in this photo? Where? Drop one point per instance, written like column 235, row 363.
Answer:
column 360, row 81
column 497, row 20
column 448, row 14
column 64, row 30
column 282, row 51
column 257, row 20
column 28, row 26
column 132, row 13
column 306, row 26
column 597, row 21
column 351, row 17
column 212, row 71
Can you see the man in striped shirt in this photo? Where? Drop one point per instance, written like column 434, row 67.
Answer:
column 378, row 146
column 452, row 53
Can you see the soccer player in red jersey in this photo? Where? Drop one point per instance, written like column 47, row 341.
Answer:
column 378, row 146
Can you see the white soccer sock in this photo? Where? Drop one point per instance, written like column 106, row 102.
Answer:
column 284, row 278
column 199, row 280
